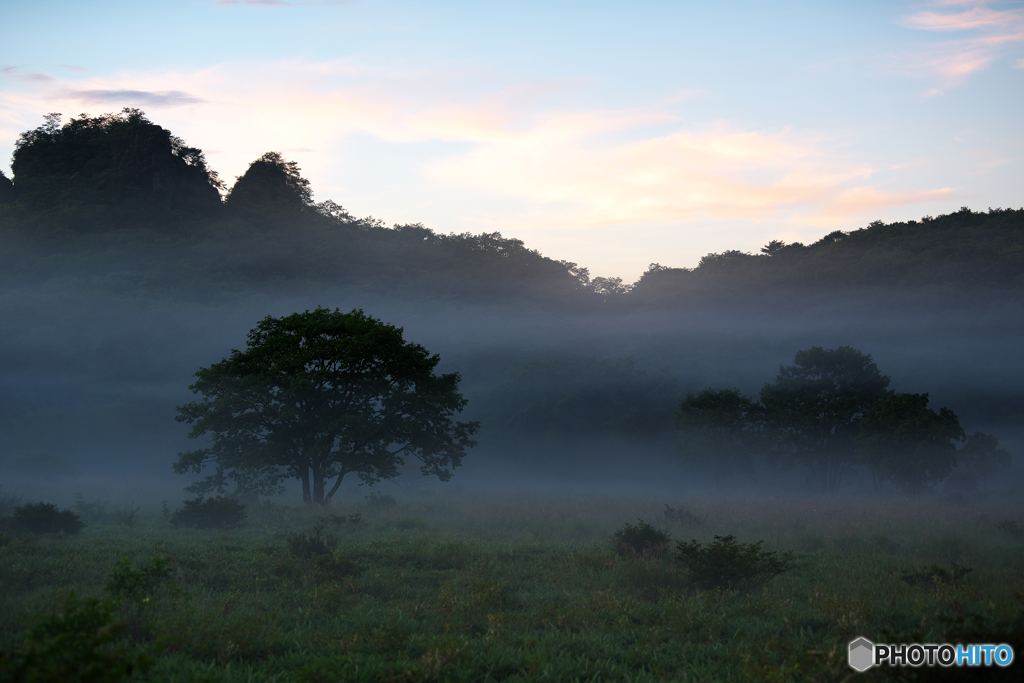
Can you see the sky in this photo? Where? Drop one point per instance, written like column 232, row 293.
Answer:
column 613, row 135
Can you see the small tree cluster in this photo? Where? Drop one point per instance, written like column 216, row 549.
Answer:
column 642, row 539
column 45, row 518
column 828, row 413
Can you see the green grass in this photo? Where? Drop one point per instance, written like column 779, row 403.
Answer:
column 526, row 587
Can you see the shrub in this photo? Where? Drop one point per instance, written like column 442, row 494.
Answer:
column 727, row 564
column 139, row 586
column 128, row 516
column 136, row 590
column 380, row 501
column 78, row 644
column 45, row 518
column 682, row 514
column 928, row 576
column 642, row 539
column 93, row 513
column 350, row 520
column 319, row 546
column 212, row 513
column 315, row 542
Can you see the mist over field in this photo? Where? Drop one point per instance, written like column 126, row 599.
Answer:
column 96, row 379
column 807, row 425
column 511, row 343
column 125, row 272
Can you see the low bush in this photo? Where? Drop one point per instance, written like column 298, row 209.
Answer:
column 642, row 539
column 929, row 576
column 76, row 644
column 45, row 518
column 212, row 513
column 127, row 516
column 307, row 544
column 683, row 515
column 724, row 563
column 139, row 586
column 135, row 591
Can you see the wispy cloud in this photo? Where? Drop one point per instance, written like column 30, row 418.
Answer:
column 718, row 171
column 15, row 73
column 573, row 167
column 144, row 98
column 978, row 17
column 990, row 33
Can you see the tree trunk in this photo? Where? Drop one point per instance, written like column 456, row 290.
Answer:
column 330, row 494
column 304, row 478
column 318, row 487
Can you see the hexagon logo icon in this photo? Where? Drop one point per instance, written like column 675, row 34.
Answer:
column 862, row 654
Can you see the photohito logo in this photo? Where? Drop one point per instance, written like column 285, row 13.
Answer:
column 864, row 654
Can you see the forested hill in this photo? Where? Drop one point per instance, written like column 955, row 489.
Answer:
column 121, row 204
column 961, row 251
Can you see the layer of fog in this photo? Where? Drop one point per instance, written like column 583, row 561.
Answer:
column 97, row 381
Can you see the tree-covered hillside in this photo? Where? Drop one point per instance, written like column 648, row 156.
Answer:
column 963, row 249
column 126, row 264
column 121, row 200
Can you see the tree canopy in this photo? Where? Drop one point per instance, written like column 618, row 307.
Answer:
column 812, row 412
column 982, row 456
column 7, row 192
column 103, row 171
column 719, row 431
column 909, row 444
column 319, row 395
column 269, row 182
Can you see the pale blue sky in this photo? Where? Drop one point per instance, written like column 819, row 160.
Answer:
column 613, row 135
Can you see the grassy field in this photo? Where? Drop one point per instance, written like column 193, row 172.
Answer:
column 530, row 588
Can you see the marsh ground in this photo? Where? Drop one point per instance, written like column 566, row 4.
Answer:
column 517, row 587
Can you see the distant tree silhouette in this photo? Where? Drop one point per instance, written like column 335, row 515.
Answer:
column 6, row 189
column 112, row 169
column 812, row 412
column 982, row 456
column 271, row 181
column 908, row 443
column 719, row 431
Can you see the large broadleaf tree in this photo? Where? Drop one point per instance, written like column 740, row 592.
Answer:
column 320, row 395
